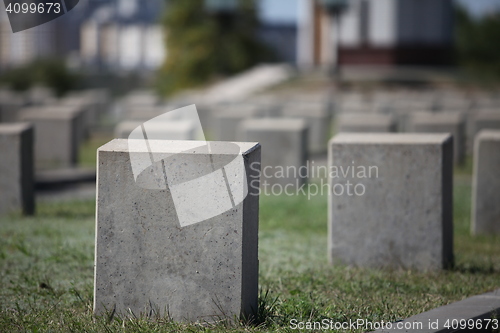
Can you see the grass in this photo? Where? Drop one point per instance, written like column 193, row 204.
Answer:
column 47, row 273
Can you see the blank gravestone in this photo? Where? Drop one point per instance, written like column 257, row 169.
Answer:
column 16, row 168
column 285, row 148
column 317, row 116
column 485, row 119
column 10, row 105
column 365, row 123
column 481, row 119
column 227, row 118
column 486, row 183
column 58, row 134
column 399, row 213
column 149, row 260
column 445, row 122
column 82, row 103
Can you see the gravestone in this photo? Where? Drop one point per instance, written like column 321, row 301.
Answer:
column 172, row 130
column 365, row 123
column 58, row 134
column 485, row 119
column 40, row 95
column 82, row 103
column 390, row 202
column 442, row 122
column 227, row 118
column 145, row 113
column 486, row 183
column 10, row 105
column 16, row 168
column 317, row 116
column 139, row 98
column 155, row 255
column 284, row 152
column 481, row 119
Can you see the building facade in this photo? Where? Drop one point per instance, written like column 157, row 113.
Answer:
column 377, row 32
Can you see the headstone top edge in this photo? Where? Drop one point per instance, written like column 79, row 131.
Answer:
column 57, row 112
column 275, row 124
column 488, row 134
column 11, row 128
column 176, row 146
column 390, row 138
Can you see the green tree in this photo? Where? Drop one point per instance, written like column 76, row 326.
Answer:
column 478, row 49
column 203, row 46
column 47, row 72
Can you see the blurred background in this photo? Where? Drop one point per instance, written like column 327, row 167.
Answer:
column 117, row 63
column 113, row 43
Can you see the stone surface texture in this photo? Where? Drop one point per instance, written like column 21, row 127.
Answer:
column 146, row 263
column 401, row 214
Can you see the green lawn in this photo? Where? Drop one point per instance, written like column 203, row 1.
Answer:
column 47, row 272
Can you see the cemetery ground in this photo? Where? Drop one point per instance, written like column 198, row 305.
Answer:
column 47, row 272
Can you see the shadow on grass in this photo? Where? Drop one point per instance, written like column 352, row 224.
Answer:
column 69, row 210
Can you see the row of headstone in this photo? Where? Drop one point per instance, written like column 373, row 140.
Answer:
column 390, row 205
column 60, row 125
column 290, row 131
column 458, row 113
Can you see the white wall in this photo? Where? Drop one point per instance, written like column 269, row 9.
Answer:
column 130, row 47
column 350, row 25
column 383, row 22
column 305, row 34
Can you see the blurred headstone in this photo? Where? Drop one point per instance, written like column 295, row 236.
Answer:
column 486, row 183
column 284, row 149
column 16, row 168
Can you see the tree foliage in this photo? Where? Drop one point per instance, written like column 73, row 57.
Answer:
column 202, row 46
column 47, row 72
column 478, row 47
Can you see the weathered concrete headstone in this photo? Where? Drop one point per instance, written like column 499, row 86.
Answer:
column 486, row 183
column 391, row 200
column 16, row 168
column 149, row 261
column 58, row 134
column 317, row 116
column 365, row 123
column 284, row 152
column 442, row 122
